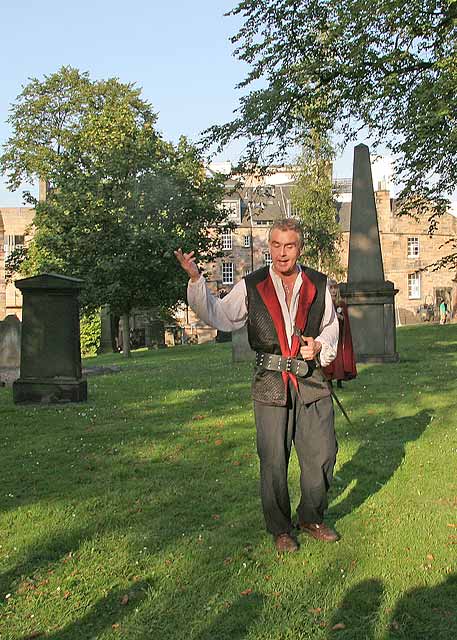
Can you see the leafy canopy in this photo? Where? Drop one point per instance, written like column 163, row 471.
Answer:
column 120, row 198
column 339, row 65
column 314, row 205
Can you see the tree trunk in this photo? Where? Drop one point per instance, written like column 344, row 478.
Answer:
column 125, row 335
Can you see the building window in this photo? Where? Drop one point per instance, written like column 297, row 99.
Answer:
column 267, row 259
column 11, row 243
column 413, row 247
column 232, row 209
column 227, row 273
column 227, row 240
column 247, row 241
column 414, row 286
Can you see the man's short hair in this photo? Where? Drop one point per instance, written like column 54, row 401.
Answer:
column 289, row 224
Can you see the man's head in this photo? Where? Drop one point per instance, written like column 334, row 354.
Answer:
column 285, row 241
column 334, row 290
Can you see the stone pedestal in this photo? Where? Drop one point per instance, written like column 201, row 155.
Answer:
column 370, row 298
column 50, row 368
column 241, row 350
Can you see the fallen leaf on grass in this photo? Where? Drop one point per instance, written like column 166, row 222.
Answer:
column 246, row 592
column 315, row 610
column 218, row 442
column 216, row 516
column 338, row 626
column 452, row 525
column 228, row 560
column 124, row 600
column 115, row 626
column 430, row 556
column 198, row 417
column 67, row 594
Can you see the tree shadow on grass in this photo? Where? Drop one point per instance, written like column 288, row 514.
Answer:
column 358, row 612
column 234, row 623
column 106, row 613
column 426, row 613
column 375, row 462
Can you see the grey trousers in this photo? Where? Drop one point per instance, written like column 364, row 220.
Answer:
column 311, row 428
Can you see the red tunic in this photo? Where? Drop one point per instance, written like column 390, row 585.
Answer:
column 343, row 367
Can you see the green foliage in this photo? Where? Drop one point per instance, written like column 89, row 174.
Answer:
column 121, row 199
column 90, row 332
column 387, row 65
column 14, row 262
column 314, row 204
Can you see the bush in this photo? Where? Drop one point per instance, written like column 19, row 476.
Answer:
column 90, row 332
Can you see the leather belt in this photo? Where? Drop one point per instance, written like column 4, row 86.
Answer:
column 274, row 362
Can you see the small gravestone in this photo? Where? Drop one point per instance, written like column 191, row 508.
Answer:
column 10, row 349
column 241, row 349
column 50, row 369
column 107, row 330
column 155, row 334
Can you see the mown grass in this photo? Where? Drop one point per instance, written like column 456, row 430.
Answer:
column 137, row 514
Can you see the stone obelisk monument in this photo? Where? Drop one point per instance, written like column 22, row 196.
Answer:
column 370, row 298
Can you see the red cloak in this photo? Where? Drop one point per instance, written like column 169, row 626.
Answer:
column 343, row 367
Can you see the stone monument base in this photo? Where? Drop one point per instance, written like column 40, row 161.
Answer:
column 60, row 390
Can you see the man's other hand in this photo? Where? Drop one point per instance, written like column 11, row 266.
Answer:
column 310, row 348
column 187, row 262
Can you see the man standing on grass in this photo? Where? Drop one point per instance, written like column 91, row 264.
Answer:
column 292, row 326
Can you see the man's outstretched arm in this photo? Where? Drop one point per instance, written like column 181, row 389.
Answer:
column 226, row 314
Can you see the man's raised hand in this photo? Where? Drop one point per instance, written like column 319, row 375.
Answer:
column 187, row 262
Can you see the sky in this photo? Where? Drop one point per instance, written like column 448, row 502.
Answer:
column 178, row 52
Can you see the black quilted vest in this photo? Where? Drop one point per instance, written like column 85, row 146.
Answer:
column 269, row 387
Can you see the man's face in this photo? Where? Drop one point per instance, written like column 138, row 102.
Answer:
column 284, row 250
column 334, row 291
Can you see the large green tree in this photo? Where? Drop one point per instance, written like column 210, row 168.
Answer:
column 120, row 198
column 387, row 65
column 314, row 204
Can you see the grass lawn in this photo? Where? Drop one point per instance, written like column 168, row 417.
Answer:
column 137, row 514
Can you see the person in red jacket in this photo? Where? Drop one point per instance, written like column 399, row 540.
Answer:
column 343, row 367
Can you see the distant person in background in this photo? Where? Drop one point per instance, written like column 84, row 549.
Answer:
column 443, row 312
column 343, row 367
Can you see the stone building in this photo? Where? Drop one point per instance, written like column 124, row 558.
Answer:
column 15, row 225
column 252, row 204
column 407, row 248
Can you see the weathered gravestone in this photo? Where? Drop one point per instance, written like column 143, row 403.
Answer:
column 370, row 298
column 155, row 334
column 241, row 349
column 50, row 369
column 10, row 348
column 107, row 330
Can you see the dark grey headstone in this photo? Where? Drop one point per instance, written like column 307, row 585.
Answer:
column 241, row 350
column 50, row 368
